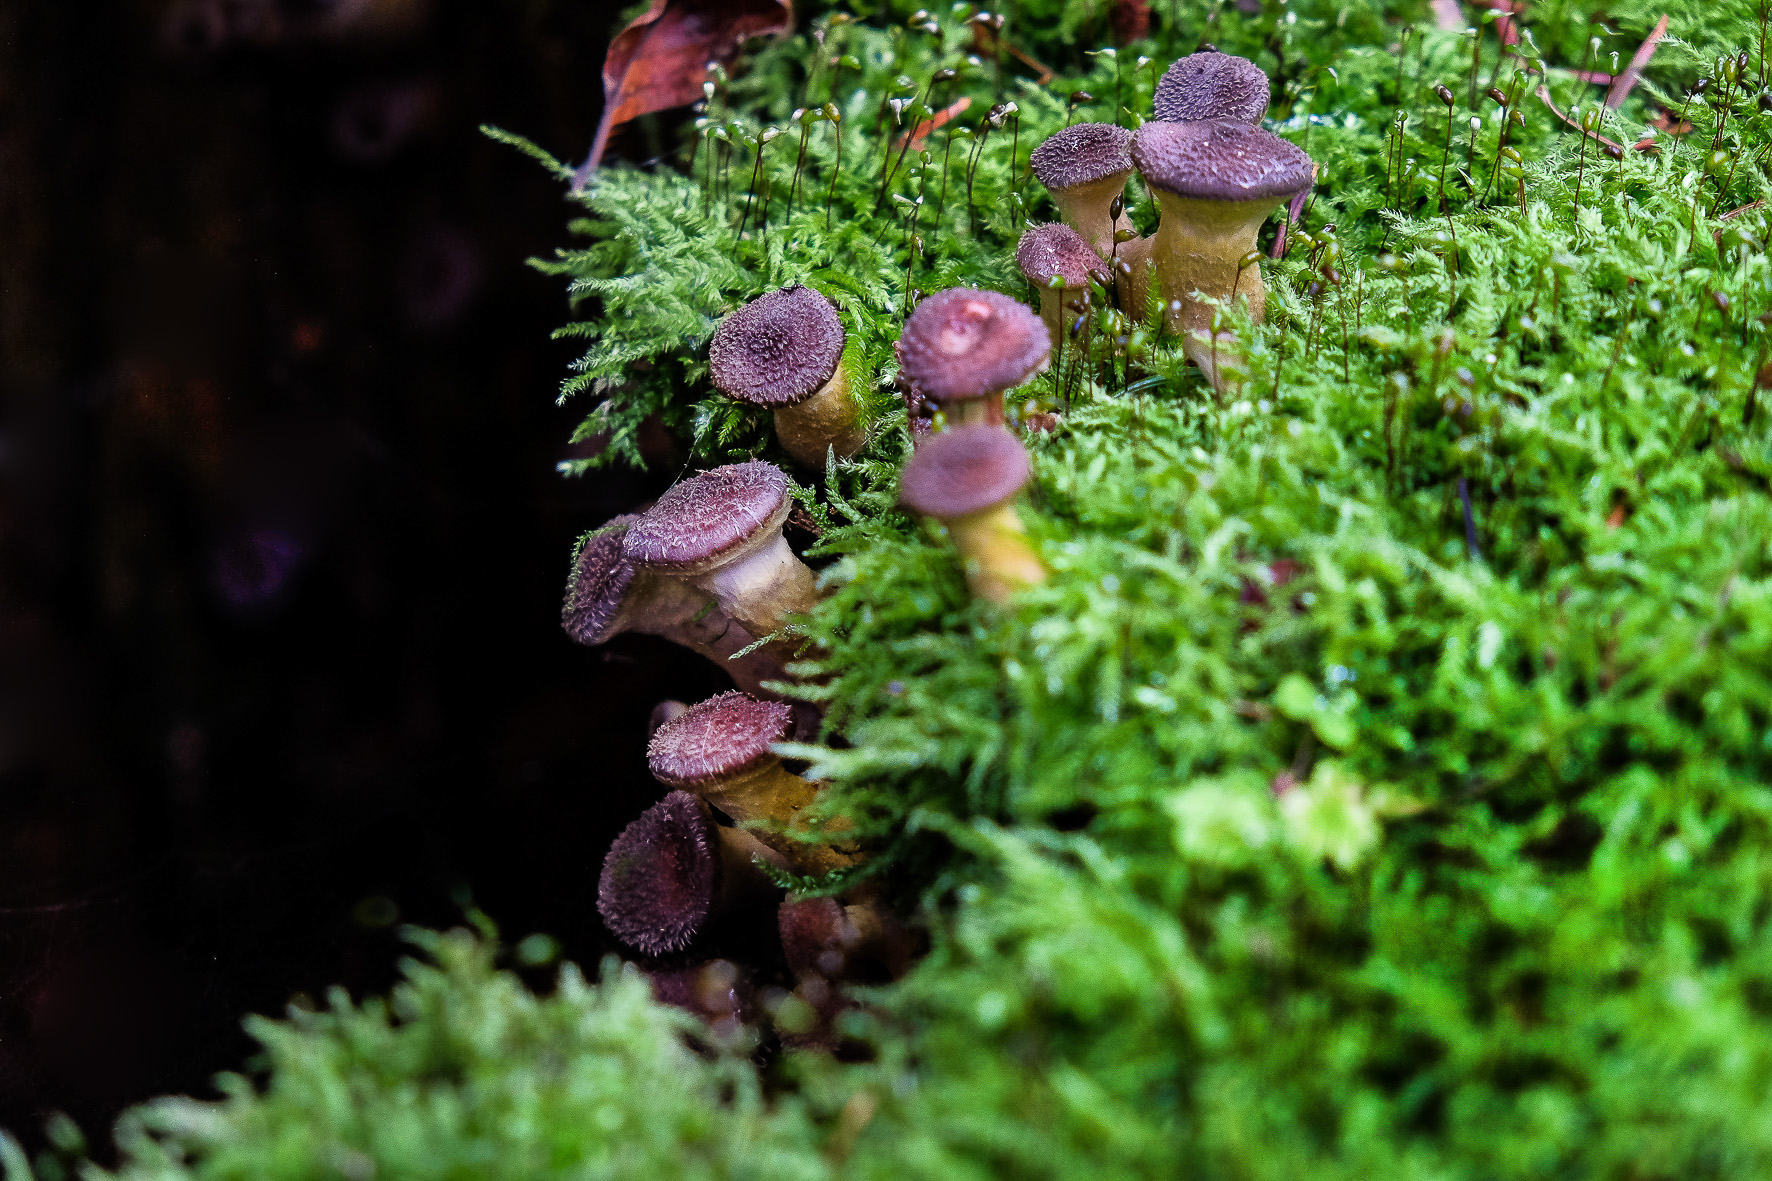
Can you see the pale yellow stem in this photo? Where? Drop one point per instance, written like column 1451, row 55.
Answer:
column 1085, row 207
column 762, row 587
column 1197, row 250
column 773, row 797
column 831, row 417
column 999, row 560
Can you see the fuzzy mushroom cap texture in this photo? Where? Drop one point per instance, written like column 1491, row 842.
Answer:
column 963, row 471
column 1081, row 153
column 709, row 517
column 1211, row 85
column 966, row 343
column 777, row 350
column 601, row 575
column 1220, row 160
column 1057, row 251
column 661, row 876
column 722, row 738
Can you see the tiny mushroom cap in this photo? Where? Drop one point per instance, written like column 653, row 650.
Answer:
column 1057, row 254
column 1082, row 154
column 601, row 577
column 1220, row 160
column 710, row 519
column 1211, row 85
column 779, row 349
column 964, row 343
column 722, row 738
column 1055, row 251
column 661, row 876
column 963, row 471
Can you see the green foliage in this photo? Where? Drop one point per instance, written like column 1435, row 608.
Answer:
column 464, row 1072
column 1304, row 822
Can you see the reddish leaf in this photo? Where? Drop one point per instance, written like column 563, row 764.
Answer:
column 1449, row 16
column 660, row 60
column 1621, row 86
column 928, row 127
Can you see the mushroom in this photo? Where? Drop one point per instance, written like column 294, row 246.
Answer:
column 967, row 478
column 1085, row 167
column 785, row 351
column 1211, row 85
column 1216, row 181
column 860, row 941
column 963, row 347
column 721, row 751
column 721, row 531
column 673, row 870
column 608, row 595
column 1055, row 259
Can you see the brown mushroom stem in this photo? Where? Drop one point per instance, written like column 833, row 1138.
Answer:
column 762, row 586
column 831, row 419
column 1087, row 209
column 773, row 796
column 999, row 560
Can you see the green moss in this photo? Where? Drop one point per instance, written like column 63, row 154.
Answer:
column 1513, row 918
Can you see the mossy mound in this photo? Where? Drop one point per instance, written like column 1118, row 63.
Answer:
column 1380, row 783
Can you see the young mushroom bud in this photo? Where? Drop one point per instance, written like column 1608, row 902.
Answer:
column 721, row 751
column 1216, row 181
column 721, row 531
column 1085, row 167
column 963, row 347
column 672, row 871
column 784, row 351
column 967, row 478
column 862, row 941
column 1055, row 259
column 1211, row 85
column 608, row 595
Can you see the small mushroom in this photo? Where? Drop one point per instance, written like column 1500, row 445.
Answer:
column 1216, row 181
column 862, row 941
column 672, row 871
column 963, row 347
column 967, row 478
column 721, row 531
column 1085, row 167
column 608, row 595
column 721, row 751
column 1055, row 259
column 785, row 351
column 1211, row 85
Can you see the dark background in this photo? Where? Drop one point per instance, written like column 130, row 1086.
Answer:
column 281, row 542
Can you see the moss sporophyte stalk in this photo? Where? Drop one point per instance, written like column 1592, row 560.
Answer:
column 1287, row 693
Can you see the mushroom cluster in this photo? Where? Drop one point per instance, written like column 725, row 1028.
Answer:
column 708, row 566
column 1216, row 175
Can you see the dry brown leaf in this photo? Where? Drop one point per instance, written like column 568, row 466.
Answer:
column 1544, row 96
column 660, row 60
